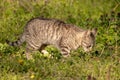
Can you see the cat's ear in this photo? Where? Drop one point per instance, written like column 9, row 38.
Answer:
column 88, row 33
column 94, row 31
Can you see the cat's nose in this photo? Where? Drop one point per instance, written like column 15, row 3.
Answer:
column 88, row 50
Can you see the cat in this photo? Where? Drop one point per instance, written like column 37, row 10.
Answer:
column 40, row 32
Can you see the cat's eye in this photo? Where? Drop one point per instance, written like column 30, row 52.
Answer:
column 88, row 46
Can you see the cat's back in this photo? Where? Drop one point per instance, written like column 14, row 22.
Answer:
column 44, row 22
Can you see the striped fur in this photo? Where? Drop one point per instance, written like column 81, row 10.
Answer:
column 40, row 32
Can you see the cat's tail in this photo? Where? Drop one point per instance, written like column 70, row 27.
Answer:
column 18, row 42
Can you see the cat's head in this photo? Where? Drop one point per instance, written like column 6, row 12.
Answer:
column 88, row 40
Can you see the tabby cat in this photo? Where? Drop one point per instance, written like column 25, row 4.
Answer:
column 40, row 32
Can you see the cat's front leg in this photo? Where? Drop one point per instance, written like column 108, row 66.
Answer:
column 65, row 51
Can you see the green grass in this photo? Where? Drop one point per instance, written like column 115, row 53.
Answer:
column 103, row 63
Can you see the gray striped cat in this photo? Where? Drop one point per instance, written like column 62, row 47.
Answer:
column 40, row 32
